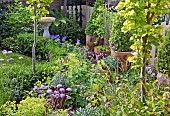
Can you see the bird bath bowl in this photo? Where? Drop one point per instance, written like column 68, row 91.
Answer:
column 46, row 21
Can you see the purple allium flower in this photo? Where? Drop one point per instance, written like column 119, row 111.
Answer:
column 61, row 62
column 63, row 39
column 68, row 97
column 69, row 90
column 38, row 91
column 62, row 95
column 67, row 58
column 150, row 71
column 4, row 52
column 10, row 59
column 1, row 59
column 58, row 40
column 56, row 92
column 163, row 79
column 9, row 52
column 49, row 91
column 44, row 87
column 20, row 58
column 53, row 96
column 62, row 90
column 59, row 85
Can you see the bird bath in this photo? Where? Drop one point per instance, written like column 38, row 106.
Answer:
column 46, row 21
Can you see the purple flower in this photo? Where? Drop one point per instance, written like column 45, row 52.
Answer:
column 82, row 50
column 4, row 52
column 55, row 95
column 68, row 97
column 168, row 83
column 163, row 79
column 56, row 92
column 60, row 62
column 67, row 58
column 59, row 85
column 62, row 90
column 58, row 40
column 153, row 75
column 38, row 91
column 75, row 47
column 49, row 91
column 62, row 95
column 69, row 90
column 63, row 39
column 9, row 52
column 97, row 57
column 150, row 71
column 111, row 45
column 44, row 87
column 78, row 41
column 35, row 88
column 10, row 59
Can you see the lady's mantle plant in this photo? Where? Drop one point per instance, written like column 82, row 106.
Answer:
column 140, row 16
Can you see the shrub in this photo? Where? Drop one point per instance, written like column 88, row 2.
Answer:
column 4, row 28
column 29, row 107
column 164, row 54
column 66, row 27
column 120, row 40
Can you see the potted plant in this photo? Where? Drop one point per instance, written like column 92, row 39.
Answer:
column 95, row 29
column 121, row 42
column 102, row 51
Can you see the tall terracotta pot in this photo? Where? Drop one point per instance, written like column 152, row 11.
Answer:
column 123, row 56
column 91, row 40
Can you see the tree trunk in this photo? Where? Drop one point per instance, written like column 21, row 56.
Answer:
column 34, row 44
column 143, row 70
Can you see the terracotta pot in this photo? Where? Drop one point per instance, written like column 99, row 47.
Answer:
column 123, row 56
column 90, row 42
column 101, row 53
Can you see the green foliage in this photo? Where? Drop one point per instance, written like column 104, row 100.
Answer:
column 96, row 23
column 66, row 27
column 4, row 28
column 164, row 54
column 23, row 44
column 139, row 19
column 103, row 48
column 120, row 40
column 40, row 7
column 19, row 20
column 29, row 107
